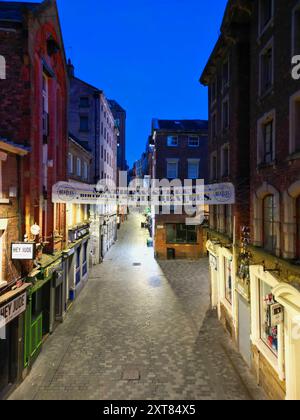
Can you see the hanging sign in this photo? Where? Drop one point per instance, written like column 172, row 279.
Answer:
column 23, row 251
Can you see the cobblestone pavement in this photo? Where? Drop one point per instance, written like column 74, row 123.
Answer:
column 140, row 332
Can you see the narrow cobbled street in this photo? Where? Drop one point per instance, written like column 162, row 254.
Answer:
column 140, row 330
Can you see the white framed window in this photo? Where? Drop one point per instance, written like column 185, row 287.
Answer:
column 172, row 168
column 266, row 138
column 193, row 168
column 85, row 170
column 266, row 68
column 194, row 141
column 78, row 167
column 228, row 280
column 70, row 163
column 265, row 15
column 172, row 141
column 225, row 160
column 294, row 146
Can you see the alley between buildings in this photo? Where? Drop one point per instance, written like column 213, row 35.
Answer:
column 140, row 330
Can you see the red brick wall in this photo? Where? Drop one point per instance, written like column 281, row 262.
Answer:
column 285, row 172
column 11, row 270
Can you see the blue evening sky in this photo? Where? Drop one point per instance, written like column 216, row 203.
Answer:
column 146, row 54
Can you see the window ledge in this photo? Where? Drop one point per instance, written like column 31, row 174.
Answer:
column 293, row 156
column 4, row 201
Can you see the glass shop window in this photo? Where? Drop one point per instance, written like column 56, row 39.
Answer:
column 228, row 280
column 268, row 334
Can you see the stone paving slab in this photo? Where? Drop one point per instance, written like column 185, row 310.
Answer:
column 140, row 332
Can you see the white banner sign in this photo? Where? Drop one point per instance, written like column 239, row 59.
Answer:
column 215, row 194
column 12, row 309
column 23, row 251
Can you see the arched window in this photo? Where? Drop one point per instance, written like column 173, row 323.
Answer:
column 269, row 232
column 297, row 253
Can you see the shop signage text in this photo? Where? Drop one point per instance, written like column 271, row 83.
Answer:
column 23, row 251
column 12, row 309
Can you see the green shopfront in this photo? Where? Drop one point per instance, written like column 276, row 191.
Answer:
column 45, row 309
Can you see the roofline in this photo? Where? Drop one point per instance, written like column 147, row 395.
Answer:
column 73, row 140
column 100, row 91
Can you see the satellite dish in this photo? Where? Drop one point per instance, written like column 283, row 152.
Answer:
column 35, row 230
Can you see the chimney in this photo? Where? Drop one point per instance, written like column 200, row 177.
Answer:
column 71, row 69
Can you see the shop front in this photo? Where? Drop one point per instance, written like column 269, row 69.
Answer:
column 12, row 312
column 267, row 334
column 45, row 308
column 77, row 262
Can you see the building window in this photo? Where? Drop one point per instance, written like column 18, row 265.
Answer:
column 45, row 105
column 228, row 220
column 214, row 125
column 213, row 216
column 181, row 234
column 266, row 139
column 295, row 123
column 85, row 170
column 172, row 169
column 102, row 129
column 193, row 169
column 225, row 114
column 213, row 92
column 266, row 69
column 101, row 152
column 268, row 334
column 228, row 280
column 84, row 102
column 269, row 232
column 78, row 170
column 225, row 75
column 214, row 167
column 265, row 14
column 84, row 123
column 296, row 31
column 105, row 131
column 194, row 142
column 77, row 267
column 268, row 142
column 70, row 163
column 298, row 228
column 84, row 259
column 225, row 161
column 172, row 141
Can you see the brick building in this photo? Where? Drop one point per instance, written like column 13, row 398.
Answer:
column 33, row 115
column 267, row 277
column 180, row 152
